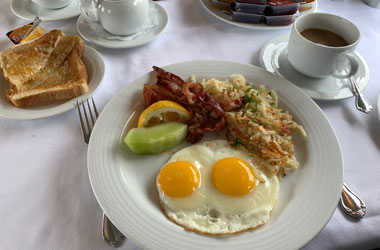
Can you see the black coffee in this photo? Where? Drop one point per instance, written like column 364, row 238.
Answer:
column 324, row 37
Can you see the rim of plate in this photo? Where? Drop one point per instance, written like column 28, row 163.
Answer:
column 116, row 44
column 70, row 11
column 95, row 67
column 378, row 106
column 121, row 198
column 207, row 6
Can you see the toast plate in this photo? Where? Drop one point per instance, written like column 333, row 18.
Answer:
column 28, row 10
column 124, row 183
column 95, row 69
column 221, row 15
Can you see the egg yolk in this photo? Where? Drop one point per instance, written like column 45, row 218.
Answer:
column 178, row 179
column 233, row 176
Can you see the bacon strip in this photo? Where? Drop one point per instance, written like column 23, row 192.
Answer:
column 205, row 113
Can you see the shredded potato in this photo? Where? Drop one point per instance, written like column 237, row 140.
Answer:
column 260, row 127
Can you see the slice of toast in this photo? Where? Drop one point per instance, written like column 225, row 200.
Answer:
column 63, row 76
column 23, row 62
column 57, row 57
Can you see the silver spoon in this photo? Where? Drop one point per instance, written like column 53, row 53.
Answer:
column 361, row 103
column 351, row 203
column 111, row 234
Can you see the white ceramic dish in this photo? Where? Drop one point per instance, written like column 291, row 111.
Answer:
column 28, row 10
column 378, row 107
column 273, row 57
column 124, row 183
column 95, row 70
column 207, row 4
column 90, row 36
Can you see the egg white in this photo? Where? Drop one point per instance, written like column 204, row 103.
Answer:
column 209, row 211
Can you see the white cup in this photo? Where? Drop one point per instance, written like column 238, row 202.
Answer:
column 53, row 4
column 317, row 60
column 119, row 17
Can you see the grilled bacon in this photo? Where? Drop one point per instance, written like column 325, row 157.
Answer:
column 205, row 113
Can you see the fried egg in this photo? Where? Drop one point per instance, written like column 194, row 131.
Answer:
column 212, row 188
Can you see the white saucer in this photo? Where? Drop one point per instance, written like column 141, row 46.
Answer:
column 273, row 57
column 89, row 35
column 26, row 9
column 95, row 70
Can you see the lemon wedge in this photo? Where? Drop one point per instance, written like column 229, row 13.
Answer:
column 163, row 112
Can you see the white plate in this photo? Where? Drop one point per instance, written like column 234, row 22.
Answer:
column 378, row 107
column 207, row 4
column 26, row 9
column 274, row 58
column 89, row 35
column 95, row 70
column 124, row 183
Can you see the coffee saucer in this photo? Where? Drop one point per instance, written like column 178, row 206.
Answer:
column 273, row 57
column 89, row 35
column 28, row 10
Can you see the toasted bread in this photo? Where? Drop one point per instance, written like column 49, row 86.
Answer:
column 21, row 63
column 47, row 69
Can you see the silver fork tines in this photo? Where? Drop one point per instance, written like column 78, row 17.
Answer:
column 87, row 130
column 111, row 234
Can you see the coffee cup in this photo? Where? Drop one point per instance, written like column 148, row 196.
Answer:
column 118, row 17
column 53, row 4
column 322, row 44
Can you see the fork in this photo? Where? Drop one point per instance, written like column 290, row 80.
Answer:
column 110, row 233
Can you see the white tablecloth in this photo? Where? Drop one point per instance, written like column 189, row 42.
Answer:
column 46, row 201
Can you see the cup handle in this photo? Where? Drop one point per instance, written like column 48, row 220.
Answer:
column 353, row 69
column 98, row 5
column 95, row 5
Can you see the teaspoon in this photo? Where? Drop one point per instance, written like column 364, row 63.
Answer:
column 361, row 103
